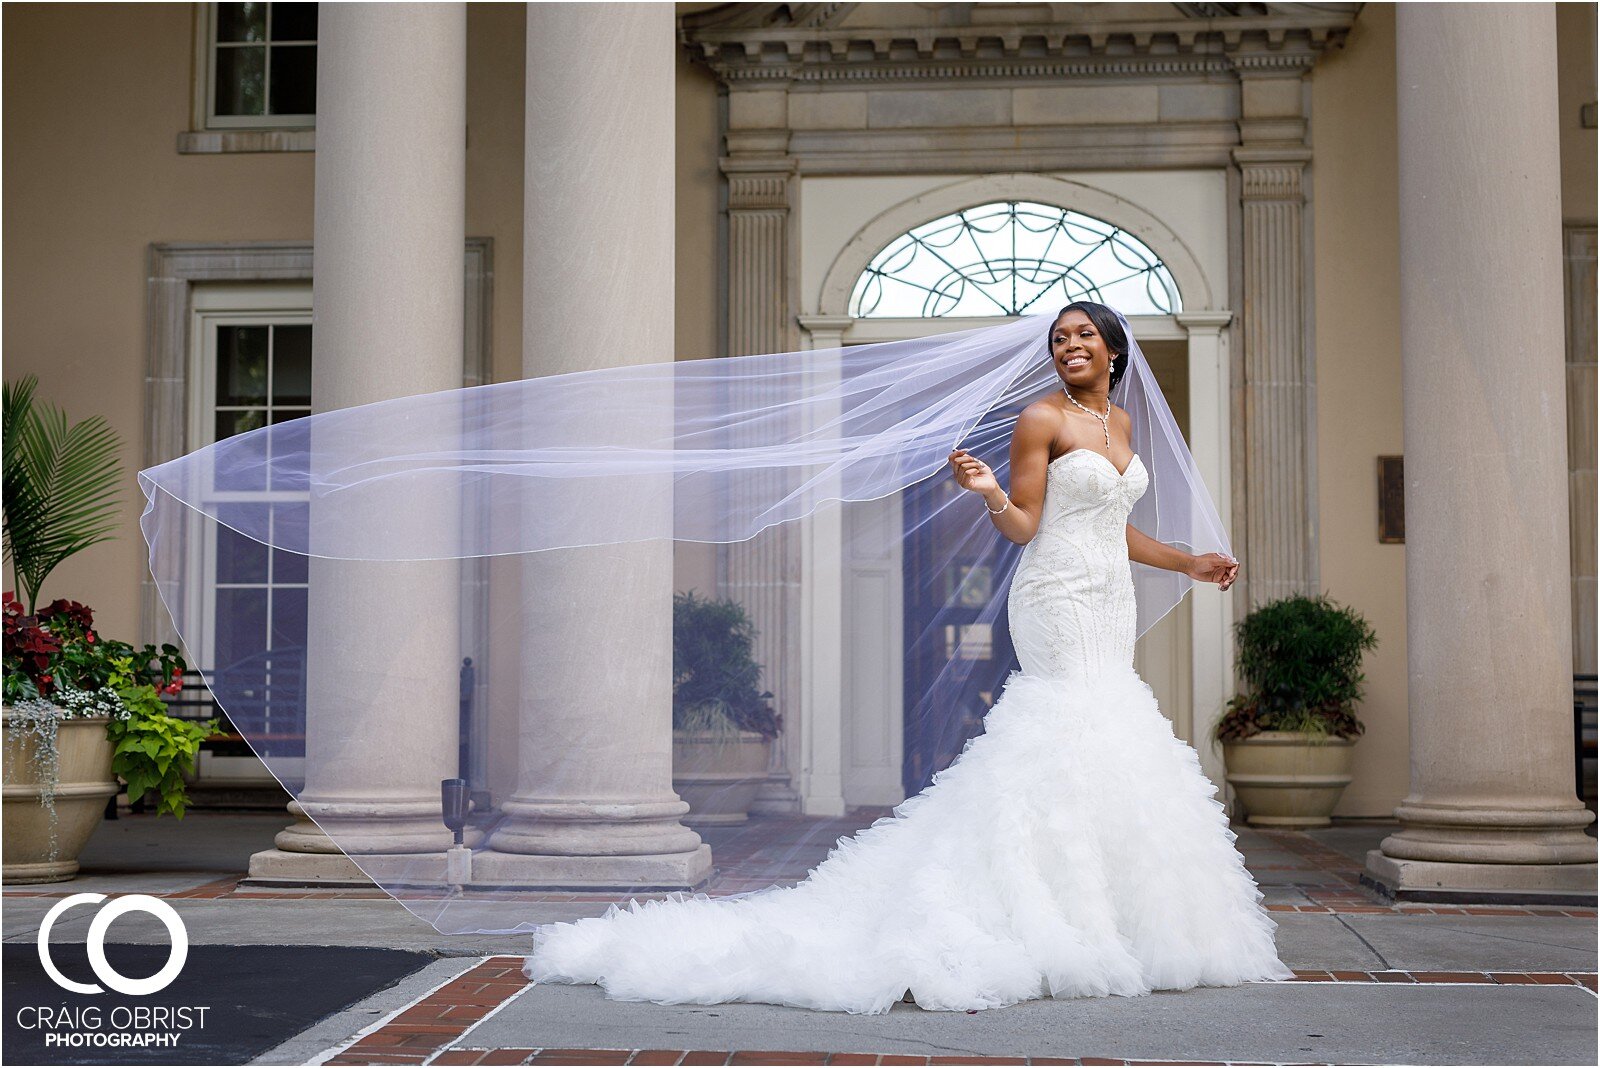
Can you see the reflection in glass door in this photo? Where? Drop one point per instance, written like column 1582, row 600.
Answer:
column 946, row 588
column 255, row 371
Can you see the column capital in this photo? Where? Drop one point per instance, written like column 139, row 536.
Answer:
column 1204, row 322
column 825, row 324
column 1272, row 174
column 758, row 185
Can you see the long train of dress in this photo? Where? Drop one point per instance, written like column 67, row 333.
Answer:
column 1073, row 849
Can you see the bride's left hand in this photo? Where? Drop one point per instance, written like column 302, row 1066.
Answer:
column 1214, row 567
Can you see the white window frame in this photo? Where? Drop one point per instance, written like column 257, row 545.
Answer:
column 209, row 133
column 213, row 305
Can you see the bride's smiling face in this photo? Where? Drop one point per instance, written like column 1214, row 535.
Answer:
column 1081, row 355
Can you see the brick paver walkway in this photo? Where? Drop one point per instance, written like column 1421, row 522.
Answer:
column 436, row 1029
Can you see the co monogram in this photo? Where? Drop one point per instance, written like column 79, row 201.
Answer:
column 97, row 944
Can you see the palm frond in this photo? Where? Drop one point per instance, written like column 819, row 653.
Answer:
column 61, row 486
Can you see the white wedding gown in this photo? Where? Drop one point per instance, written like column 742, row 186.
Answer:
column 1073, row 849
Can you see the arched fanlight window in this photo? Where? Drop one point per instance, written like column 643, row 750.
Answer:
column 1012, row 257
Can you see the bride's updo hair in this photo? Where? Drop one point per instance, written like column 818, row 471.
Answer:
column 1105, row 321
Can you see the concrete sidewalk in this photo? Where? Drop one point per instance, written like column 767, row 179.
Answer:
column 1379, row 983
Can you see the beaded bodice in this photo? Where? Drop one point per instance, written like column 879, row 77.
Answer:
column 1071, row 602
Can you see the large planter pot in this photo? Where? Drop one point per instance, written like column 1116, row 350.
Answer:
column 1289, row 778
column 718, row 774
column 84, row 783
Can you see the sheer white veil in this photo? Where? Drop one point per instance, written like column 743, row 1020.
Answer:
column 720, row 450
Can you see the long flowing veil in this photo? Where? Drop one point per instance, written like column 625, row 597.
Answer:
column 477, row 585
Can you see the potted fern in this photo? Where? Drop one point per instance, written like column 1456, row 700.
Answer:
column 1288, row 738
column 723, row 724
column 79, row 710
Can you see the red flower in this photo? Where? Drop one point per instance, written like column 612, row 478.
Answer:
column 88, row 637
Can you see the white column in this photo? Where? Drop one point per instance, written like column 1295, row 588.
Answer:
column 387, row 322
column 820, row 742
column 595, row 804
column 1211, row 609
column 1492, row 808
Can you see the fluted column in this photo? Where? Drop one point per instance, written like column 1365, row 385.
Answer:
column 595, row 804
column 1492, row 809
column 764, row 573
column 388, row 322
column 1277, row 432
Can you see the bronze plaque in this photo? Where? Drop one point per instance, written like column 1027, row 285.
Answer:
column 1391, row 499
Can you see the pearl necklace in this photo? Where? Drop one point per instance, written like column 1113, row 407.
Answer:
column 1105, row 423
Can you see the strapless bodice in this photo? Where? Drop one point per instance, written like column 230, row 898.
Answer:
column 1071, row 603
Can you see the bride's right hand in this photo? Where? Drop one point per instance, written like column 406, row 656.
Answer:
column 972, row 473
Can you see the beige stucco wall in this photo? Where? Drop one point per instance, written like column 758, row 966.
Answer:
column 699, row 244
column 1357, row 319
column 1575, row 71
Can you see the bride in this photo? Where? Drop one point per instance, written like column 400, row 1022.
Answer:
column 1073, row 849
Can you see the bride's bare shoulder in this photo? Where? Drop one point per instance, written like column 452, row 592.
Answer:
column 1039, row 416
column 1041, row 409
column 1037, row 425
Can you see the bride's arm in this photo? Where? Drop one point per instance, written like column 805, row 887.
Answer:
column 1212, row 567
column 1015, row 515
column 1144, row 549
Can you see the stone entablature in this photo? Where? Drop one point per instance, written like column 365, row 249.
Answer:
column 817, row 43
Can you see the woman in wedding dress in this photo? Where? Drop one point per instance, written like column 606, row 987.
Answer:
column 1073, row 849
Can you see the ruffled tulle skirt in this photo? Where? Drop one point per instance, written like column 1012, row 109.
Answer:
column 1074, row 849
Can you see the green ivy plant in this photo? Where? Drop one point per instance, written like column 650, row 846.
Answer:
column 153, row 750
column 715, row 678
column 150, row 749
column 1300, row 659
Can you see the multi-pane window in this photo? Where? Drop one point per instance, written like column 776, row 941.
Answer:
column 263, row 375
column 256, row 371
column 1012, row 258
column 263, row 65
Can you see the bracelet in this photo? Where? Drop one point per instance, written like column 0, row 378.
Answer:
column 996, row 511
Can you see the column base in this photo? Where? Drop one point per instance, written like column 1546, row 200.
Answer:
column 638, row 827
column 1490, row 884
column 379, row 827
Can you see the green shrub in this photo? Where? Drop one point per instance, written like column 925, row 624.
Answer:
column 715, row 678
column 1300, row 658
